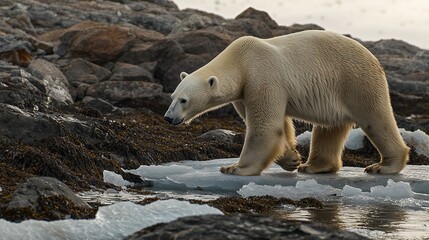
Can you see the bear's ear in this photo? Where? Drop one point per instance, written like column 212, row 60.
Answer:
column 213, row 81
column 183, row 75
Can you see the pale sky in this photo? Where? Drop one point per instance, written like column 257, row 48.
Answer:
column 365, row 19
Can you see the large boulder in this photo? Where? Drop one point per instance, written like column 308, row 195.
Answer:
column 81, row 71
column 53, row 81
column 240, row 227
column 101, row 43
column 48, row 199
column 19, row 125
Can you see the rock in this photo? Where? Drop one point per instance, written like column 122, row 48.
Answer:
column 119, row 91
column 196, row 21
column 169, row 69
column 186, row 52
column 21, row 21
column 406, row 66
column 54, row 81
column 101, row 43
column 163, row 23
column 28, row 193
column 26, row 127
column 99, row 104
column 222, row 135
column 130, row 72
column 45, row 197
column 398, row 83
column 16, row 51
column 81, row 71
column 260, row 16
column 248, row 26
column 250, row 226
column 410, row 124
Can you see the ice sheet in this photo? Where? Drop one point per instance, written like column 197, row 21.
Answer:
column 115, row 179
column 206, row 175
column 351, row 182
column 112, row 222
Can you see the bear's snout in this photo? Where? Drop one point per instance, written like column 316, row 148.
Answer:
column 168, row 119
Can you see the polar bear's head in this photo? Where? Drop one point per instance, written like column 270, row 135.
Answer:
column 193, row 96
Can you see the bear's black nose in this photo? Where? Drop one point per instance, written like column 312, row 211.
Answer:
column 169, row 120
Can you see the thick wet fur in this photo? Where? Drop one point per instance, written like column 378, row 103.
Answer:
column 320, row 77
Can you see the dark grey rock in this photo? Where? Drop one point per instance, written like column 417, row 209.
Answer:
column 82, row 71
column 54, row 81
column 163, row 23
column 223, row 135
column 28, row 193
column 260, row 16
column 239, row 227
column 130, row 72
column 117, row 91
column 195, row 22
column 99, row 104
column 28, row 127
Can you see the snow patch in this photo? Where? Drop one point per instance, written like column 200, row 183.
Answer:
column 418, row 139
column 111, row 222
column 355, row 139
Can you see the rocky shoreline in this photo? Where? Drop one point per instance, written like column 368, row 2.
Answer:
column 84, row 84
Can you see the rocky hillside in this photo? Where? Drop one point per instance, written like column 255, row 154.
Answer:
column 84, row 84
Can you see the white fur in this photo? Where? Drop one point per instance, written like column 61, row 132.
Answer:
column 320, row 77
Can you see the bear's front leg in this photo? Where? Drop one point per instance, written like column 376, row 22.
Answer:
column 264, row 142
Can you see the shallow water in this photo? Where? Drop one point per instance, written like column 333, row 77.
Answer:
column 376, row 221
column 379, row 207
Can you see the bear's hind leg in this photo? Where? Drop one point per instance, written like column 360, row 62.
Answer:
column 326, row 149
column 291, row 158
column 386, row 138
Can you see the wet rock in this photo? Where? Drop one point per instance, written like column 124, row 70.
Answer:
column 118, row 91
column 27, row 127
column 130, row 72
column 222, row 135
column 46, row 198
column 81, row 71
column 240, row 227
column 53, row 80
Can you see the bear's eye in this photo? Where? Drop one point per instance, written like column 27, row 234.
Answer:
column 183, row 101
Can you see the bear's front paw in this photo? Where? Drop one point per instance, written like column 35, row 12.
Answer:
column 234, row 169
column 379, row 168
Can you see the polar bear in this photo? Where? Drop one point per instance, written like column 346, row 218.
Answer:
column 320, row 77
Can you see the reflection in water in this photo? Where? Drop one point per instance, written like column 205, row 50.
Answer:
column 387, row 217
column 374, row 221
